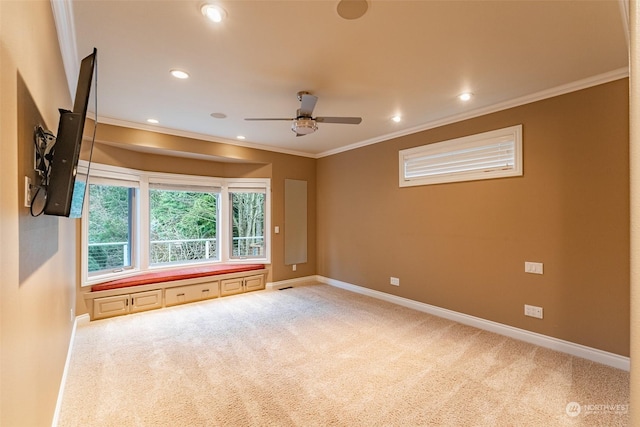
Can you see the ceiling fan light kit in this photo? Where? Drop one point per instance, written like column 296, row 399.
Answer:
column 304, row 126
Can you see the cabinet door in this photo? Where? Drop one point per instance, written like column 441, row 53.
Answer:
column 231, row 286
column 253, row 283
column 149, row 300
column 110, row 306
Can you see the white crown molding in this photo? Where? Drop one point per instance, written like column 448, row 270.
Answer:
column 588, row 82
column 578, row 350
column 624, row 12
column 199, row 136
column 527, row 99
column 63, row 17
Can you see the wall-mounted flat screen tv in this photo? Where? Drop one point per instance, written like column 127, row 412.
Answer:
column 62, row 187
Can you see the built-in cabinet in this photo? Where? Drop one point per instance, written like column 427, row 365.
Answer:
column 241, row 284
column 127, row 303
column 116, row 302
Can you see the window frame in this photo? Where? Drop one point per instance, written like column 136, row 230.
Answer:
column 117, row 176
column 140, row 252
column 205, row 189
column 237, row 189
column 512, row 133
column 133, row 208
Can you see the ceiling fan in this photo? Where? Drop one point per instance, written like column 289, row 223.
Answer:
column 304, row 123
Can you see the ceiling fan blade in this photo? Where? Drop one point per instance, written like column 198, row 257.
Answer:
column 307, row 104
column 300, row 134
column 341, row 120
column 269, row 119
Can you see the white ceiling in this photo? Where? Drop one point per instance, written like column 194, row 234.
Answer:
column 402, row 57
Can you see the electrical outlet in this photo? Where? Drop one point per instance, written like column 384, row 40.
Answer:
column 394, row 281
column 72, row 317
column 27, row 192
column 533, row 267
column 294, row 267
column 533, row 311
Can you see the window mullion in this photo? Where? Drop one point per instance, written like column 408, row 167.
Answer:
column 142, row 225
column 226, row 227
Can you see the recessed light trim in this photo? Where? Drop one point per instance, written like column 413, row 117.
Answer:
column 352, row 9
column 179, row 74
column 213, row 12
column 219, row 115
column 466, row 96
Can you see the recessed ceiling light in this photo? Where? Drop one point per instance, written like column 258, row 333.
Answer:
column 465, row 96
column 213, row 12
column 179, row 74
column 219, row 115
column 240, row 137
column 396, row 118
column 153, row 121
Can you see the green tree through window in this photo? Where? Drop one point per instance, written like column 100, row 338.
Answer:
column 109, row 227
column 183, row 226
column 248, row 224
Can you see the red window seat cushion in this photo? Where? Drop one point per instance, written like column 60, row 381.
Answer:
column 177, row 274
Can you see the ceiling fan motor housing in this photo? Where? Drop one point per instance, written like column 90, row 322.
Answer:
column 304, row 126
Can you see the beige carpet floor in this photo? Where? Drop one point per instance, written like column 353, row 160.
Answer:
column 321, row 356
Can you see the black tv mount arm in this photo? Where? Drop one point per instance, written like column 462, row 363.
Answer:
column 43, row 140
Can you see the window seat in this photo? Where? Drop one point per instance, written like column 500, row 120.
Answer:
column 177, row 274
column 167, row 288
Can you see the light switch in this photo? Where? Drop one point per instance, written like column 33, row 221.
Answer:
column 277, row 229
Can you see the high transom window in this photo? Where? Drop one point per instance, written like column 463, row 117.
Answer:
column 494, row 154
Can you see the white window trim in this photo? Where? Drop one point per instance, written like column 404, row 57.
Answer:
column 104, row 174
column 140, row 257
column 513, row 133
column 246, row 186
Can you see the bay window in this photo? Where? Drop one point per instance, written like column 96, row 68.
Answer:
column 136, row 221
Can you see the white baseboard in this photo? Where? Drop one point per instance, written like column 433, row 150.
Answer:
column 292, row 282
column 589, row 353
column 83, row 318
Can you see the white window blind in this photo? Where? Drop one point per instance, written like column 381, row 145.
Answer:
column 487, row 155
column 184, row 187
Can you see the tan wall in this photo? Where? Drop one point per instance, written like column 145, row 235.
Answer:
column 134, row 149
column 462, row 246
column 634, row 149
column 37, row 255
